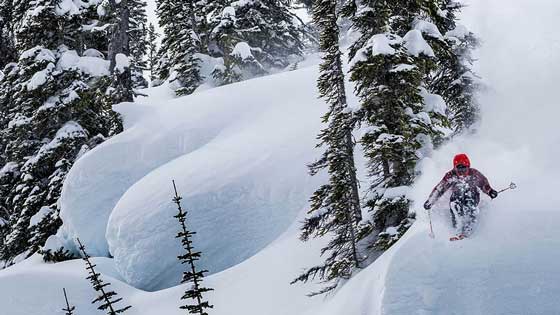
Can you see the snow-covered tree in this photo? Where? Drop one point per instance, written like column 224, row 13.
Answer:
column 117, row 19
column 166, row 10
column 192, row 275
column 180, row 44
column 223, row 37
column 108, row 299
column 7, row 38
column 335, row 206
column 390, row 66
column 183, row 57
column 253, row 37
column 139, row 44
column 152, row 51
column 95, row 36
column 40, row 27
column 50, row 114
column 454, row 79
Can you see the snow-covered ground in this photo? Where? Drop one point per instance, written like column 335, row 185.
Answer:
column 218, row 142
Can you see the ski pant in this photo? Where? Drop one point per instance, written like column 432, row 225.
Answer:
column 464, row 216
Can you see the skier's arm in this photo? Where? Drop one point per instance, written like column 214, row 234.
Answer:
column 440, row 189
column 484, row 185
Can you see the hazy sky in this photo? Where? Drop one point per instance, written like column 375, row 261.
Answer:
column 520, row 61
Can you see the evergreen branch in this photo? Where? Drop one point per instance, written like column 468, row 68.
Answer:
column 192, row 276
column 69, row 309
column 99, row 285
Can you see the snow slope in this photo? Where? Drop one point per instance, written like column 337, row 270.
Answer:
column 508, row 267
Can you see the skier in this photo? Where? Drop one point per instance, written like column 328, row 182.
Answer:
column 464, row 183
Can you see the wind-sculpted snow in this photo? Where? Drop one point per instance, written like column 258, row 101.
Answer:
column 100, row 178
column 238, row 155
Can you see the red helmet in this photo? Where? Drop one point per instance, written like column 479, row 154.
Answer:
column 461, row 159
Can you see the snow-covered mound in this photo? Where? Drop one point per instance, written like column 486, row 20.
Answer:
column 238, row 155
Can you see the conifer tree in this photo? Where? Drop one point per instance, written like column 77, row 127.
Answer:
column 192, row 275
column 7, row 38
column 19, row 10
column 390, row 66
column 224, row 36
column 138, row 33
column 454, row 79
column 69, row 310
column 108, row 299
column 180, row 44
column 152, row 51
column 49, row 116
column 94, row 35
column 166, row 13
column 118, row 19
column 335, row 206
column 186, row 64
column 253, row 37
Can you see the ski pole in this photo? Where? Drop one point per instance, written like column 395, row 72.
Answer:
column 511, row 186
column 432, row 235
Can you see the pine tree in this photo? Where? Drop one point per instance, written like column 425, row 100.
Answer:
column 390, row 66
column 455, row 80
column 107, row 298
column 41, row 27
column 192, row 275
column 49, row 116
column 186, row 63
column 94, row 35
column 166, row 13
column 118, row 19
column 69, row 310
column 180, row 44
column 224, row 35
column 152, row 51
column 253, row 37
column 335, row 206
column 7, row 38
column 138, row 32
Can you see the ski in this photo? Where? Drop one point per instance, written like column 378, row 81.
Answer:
column 457, row 237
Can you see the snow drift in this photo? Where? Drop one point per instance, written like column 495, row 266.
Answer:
column 238, row 155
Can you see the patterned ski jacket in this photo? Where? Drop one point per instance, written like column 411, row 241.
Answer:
column 463, row 187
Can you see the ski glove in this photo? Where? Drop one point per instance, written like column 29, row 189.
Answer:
column 493, row 194
column 427, row 205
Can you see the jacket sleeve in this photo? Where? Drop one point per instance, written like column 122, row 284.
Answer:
column 482, row 182
column 440, row 188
